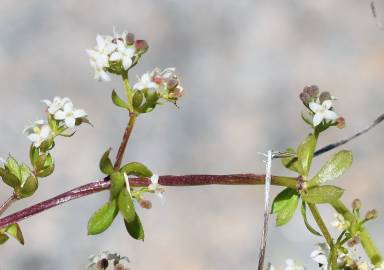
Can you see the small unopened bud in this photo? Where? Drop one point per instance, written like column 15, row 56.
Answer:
column 353, row 242
column 176, row 92
column 119, row 266
column 145, row 204
column 340, row 122
column 102, row 264
column 141, row 45
column 372, row 214
column 130, row 39
column 305, row 97
column 325, row 96
column 356, row 204
column 313, row 90
column 172, row 83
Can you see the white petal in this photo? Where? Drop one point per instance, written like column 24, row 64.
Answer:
column 317, row 119
column 314, row 106
column 79, row 113
column 59, row 115
column 92, row 53
column 104, row 76
column 33, row 137
column 330, row 115
column 115, row 56
column 327, row 104
column 139, row 86
column 47, row 102
column 68, row 107
column 100, row 42
column 70, row 122
column 127, row 62
column 45, row 131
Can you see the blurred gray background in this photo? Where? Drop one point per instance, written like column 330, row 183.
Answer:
column 242, row 64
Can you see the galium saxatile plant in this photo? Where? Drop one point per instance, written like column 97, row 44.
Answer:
column 130, row 183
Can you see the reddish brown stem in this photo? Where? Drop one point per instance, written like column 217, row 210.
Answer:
column 166, row 180
column 124, row 141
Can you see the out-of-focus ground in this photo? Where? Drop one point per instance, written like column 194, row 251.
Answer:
column 242, row 64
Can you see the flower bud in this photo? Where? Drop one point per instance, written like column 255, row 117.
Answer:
column 353, row 242
column 145, row 204
column 130, row 39
column 372, row 214
column 172, row 83
column 176, row 92
column 340, row 122
column 313, row 90
column 325, row 96
column 119, row 266
column 141, row 46
column 356, row 204
column 305, row 97
column 102, row 264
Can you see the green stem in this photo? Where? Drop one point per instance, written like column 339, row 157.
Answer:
column 366, row 241
column 323, row 228
column 128, row 92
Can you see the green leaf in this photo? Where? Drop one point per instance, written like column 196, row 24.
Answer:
column 150, row 103
column 15, row 231
column 137, row 99
column 118, row 101
column 291, row 163
column 334, row 168
column 117, row 184
column 126, row 207
column 135, row 228
column 29, row 187
column 102, row 218
column 25, row 172
column 305, row 153
column 9, row 178
column 33, row 154
column 47, row 171
column 137, row 169
column 13, row 167
column 322, row 194
column 3, row 238
column 304, row 215
column 106, row 164
column 284, row 206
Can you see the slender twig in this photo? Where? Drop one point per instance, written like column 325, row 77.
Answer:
column 330, row 147
column 124, row 142
column 8, row 203
column 167, row 180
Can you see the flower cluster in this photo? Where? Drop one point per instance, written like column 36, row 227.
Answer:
column 61, row 115
column 340, row 223
column 320, row 106
column 165, row 82
column 104, row 259
column 115, row 54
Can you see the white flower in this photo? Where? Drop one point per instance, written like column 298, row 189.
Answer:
column 146, row 82
column 38, row 132
column 155, row 187
column 69, row 114
column 293, row 265
column 322, row 112
column 94, row 259
column 56, row 104
column 340, row 223
column 320, row 254
column 100, row 73
column 124, row 54
column 100, row 54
